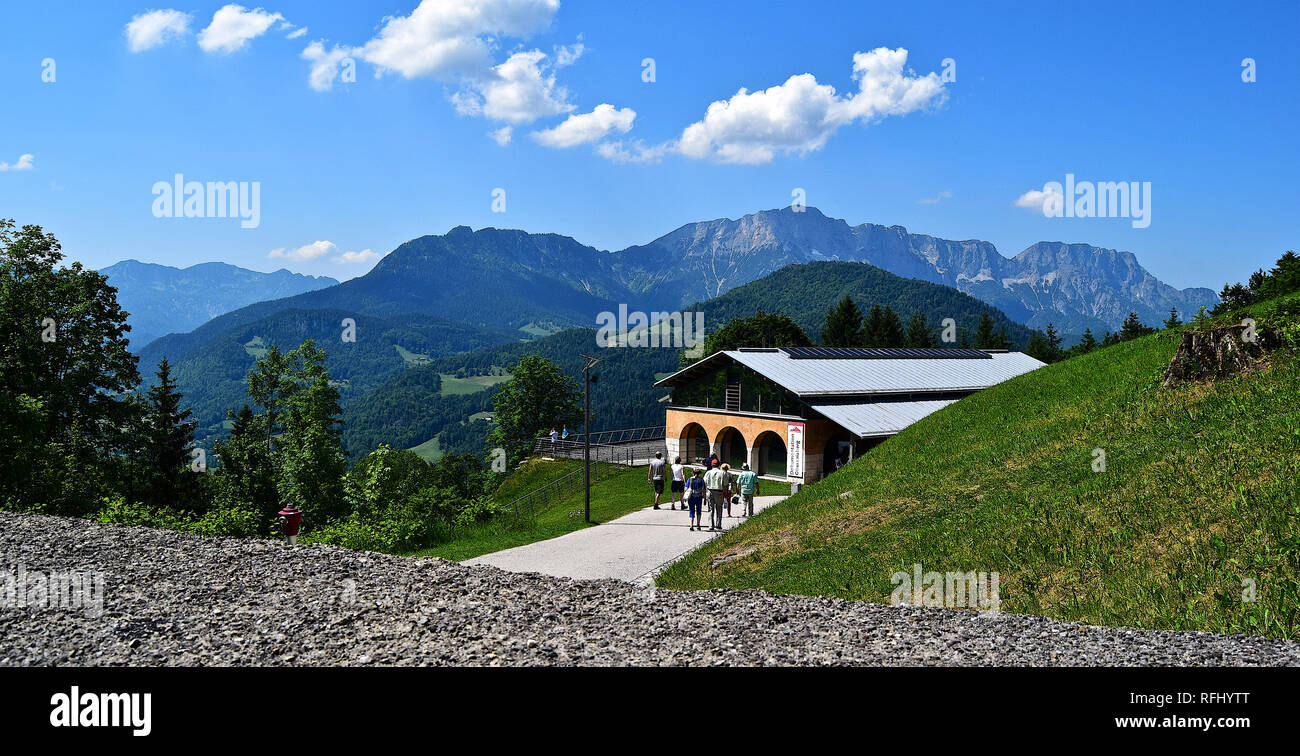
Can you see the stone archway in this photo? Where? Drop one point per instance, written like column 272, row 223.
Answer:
column 730, row 447
column 769, row 454
column 693, row 444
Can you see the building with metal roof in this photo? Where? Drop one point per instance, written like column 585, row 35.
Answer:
column 799, row 413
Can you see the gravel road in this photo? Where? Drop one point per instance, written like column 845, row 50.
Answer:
column 172, row 598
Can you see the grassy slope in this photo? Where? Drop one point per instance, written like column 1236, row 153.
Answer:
column 622, row 493
column 1199, row 494
column 472, row 385
column 531, row 475
column 429, row 451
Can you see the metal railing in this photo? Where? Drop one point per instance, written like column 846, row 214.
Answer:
column 610, row 451
column 521, row 512
column 635, row 453
column 623, row 436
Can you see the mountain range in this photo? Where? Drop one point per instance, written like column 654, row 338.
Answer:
column 438, row 298
column 409, row 408
column 1075, row 286
column 510, row 278
column 161, row 299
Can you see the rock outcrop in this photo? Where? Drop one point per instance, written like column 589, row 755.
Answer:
column 1217, row 353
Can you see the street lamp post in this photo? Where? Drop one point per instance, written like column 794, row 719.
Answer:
column 587, row 380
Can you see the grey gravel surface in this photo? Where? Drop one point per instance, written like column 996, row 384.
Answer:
column 172, row 598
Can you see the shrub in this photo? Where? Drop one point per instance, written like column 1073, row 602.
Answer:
column 230, row 521
column 476, row 510
column 119, row 511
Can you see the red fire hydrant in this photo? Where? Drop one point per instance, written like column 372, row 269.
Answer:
column 290, row 521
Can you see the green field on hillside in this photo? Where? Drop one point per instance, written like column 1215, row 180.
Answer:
column 255, row 348
column 452, row 385
column 539, row 330
column 1197, row 505
column 429, row 451
column 411, row 358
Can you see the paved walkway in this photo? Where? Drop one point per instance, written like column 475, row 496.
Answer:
column 634, row 548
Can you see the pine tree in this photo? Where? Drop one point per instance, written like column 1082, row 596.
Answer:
column 1284, row 278
column 1088, row 343
column 984, row 336
column 891, row 329
column 168, row 439
column 1054, row 350
column 244, row 477
column 918, row 335
column 1172, row 321
column 843, row 325
column 1133, row 328
column 1038, row 347
column 874, row 327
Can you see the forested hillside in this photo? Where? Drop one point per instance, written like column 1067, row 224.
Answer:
column 213, row 376
column 805, row 292
column 408, row 410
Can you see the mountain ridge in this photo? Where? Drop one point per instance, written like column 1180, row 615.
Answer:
column 767, row 240
column 160, row 297
column 513, row 278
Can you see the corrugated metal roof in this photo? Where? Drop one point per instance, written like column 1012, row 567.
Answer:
column 881, row 353
column 878, row 418
column 836, row 377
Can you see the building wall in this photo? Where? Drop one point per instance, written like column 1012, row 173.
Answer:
column 816, row 434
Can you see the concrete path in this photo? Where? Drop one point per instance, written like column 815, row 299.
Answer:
column 634, row 548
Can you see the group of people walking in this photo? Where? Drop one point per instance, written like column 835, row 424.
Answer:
column 693, row 488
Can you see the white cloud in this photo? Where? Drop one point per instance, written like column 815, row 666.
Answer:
column 1035, row 199
column 319, row 250
column 800, row 115
column 584, row 128
column 325, row 65
column 152, row 28
column 520, row 90
column 443, row 39
column 943, row 195
column 453, row 41
column 634, row 151
column 364, row 256
column 296, row 33
column 568, row 55
column 233, row 25
column 306, row 252
column 24, row 164
column 502, row 135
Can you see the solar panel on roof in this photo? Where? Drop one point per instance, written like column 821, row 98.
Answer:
column 858, row 353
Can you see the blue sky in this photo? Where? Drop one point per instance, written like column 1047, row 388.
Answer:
column 1149, row 92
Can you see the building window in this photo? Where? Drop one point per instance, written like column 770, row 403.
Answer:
column 736, row 389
